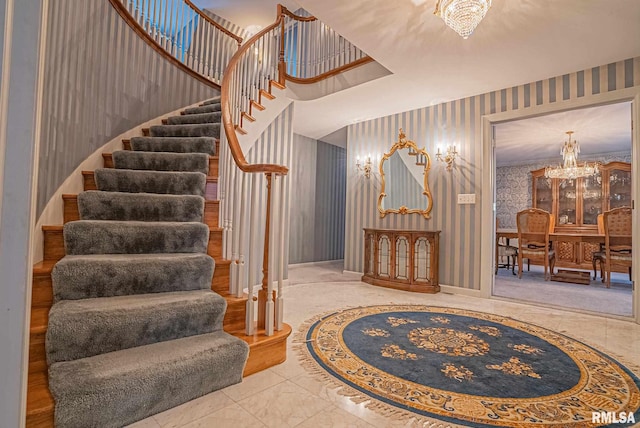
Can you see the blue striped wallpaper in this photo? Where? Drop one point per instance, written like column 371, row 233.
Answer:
column 456, row 122
column 318, row 191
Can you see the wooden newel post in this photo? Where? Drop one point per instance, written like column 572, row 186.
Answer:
column 263, row 293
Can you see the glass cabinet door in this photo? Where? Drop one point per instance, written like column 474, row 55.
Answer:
column 402, row 258
column 544, row 193
column 384, row 256
column 567, row 200
column 619, row 188
column 591, row 199
column 422, row 260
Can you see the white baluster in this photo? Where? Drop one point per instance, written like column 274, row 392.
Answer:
column 235, row 242
column 270, row 305
column 280, row 257
column 242, row 237
column 253, row 229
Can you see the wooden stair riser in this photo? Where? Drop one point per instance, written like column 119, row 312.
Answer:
column 234, row 317
column 53, row 243
column 220, row 281
column 71, row 211
column 41, row 293
column 37, row 352
column 39, row 401
column 214, row 249
column 213, row 163
column 265, row 351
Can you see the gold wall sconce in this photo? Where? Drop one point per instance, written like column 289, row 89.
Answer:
column 364, row 167
column 448, row 157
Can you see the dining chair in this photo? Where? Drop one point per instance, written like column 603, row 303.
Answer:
column 505, row 250
column 617, row 240
column 599, row 256
column 533, row 240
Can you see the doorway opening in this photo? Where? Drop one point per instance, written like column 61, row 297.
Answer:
column 524, row 151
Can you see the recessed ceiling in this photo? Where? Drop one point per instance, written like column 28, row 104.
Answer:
column 601, row 129
column 517, row 42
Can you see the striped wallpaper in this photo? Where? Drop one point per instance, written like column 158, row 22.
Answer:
column 101, row 79
column 318, row 192
column 330, row 200
column 456, row 122
column 274, row 146
column 235, row 29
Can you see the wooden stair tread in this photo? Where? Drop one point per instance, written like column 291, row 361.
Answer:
column 44, row 267
column 259, row 337
column 267, row 95
column 273, row 83
column 257, row 105
column 52, row 228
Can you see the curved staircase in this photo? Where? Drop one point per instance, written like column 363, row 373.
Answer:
column 134, row 327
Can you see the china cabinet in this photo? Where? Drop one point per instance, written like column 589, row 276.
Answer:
column 576, row 204
column 402, row 259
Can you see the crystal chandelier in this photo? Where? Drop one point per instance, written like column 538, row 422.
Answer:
column 570, row 169
column 463, row 16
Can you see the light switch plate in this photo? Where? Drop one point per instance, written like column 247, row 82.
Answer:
column 466, row 198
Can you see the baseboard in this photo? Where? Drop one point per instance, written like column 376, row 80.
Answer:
column 320, row 263
column 451, row 289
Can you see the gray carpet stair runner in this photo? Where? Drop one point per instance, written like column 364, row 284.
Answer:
column 135, row 328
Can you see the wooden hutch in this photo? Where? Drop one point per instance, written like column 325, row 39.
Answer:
column 576, row 204
column 402, row 259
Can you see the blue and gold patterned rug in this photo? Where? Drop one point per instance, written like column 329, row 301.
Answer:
column 470, row 368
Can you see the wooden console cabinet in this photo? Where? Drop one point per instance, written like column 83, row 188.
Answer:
column 402, row 259
column 576, row 204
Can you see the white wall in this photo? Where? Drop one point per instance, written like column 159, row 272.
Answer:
column 19, row 125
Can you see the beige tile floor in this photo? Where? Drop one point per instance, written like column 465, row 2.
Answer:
column 286, row 396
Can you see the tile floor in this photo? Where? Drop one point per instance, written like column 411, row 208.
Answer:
column 286, row 396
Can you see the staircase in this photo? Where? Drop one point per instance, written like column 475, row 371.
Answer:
column 134, row 328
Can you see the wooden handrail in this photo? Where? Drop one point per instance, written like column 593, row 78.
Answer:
column 316, row 79
column 227, row 121
column 212, row 22
column 131, row 21
column 291, row 15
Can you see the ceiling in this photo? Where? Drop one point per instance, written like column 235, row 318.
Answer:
column 518, row 42
column 601, row 129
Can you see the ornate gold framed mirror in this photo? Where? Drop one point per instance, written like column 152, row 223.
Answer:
column 405, row 187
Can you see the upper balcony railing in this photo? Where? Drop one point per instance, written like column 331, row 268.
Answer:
column 185, row 33
column 313, row 50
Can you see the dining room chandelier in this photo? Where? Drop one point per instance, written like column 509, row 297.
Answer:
column 570, row 169
column 463, row 16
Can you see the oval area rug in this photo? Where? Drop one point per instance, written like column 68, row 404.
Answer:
column 470, row 368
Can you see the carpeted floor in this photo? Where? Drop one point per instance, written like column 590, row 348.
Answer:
column 465, row 367
column 594, row 297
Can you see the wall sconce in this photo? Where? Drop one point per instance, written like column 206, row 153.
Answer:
column 366, row 167
column 449, row 157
